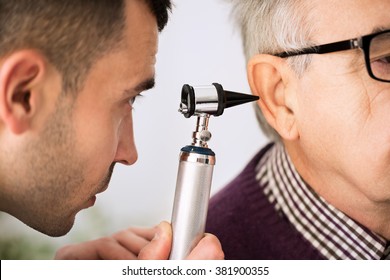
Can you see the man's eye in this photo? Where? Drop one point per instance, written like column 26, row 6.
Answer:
column 385, row 59
column 133, row 99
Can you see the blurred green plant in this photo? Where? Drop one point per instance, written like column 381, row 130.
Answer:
column 19, row 248
column 26, row 244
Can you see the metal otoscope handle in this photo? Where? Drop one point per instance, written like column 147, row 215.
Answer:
column 191, row 199
column 192, row 191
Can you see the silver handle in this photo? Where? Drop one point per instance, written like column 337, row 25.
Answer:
column 191, row 202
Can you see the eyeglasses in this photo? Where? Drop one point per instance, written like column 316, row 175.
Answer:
column 375, row 46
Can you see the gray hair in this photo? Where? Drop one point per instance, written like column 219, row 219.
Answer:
column 272, row 26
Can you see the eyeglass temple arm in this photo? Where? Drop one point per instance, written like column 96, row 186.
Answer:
column 326, row 48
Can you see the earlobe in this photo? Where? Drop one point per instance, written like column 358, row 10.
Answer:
column 20, row 75
column 270, row 78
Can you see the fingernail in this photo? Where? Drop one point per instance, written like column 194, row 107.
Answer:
column 158, row 233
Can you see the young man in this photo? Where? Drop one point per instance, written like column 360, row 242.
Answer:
column 69, row 73
column 322, row 190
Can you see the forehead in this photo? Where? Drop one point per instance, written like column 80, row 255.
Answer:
column 141, row 24
column 140, row 34
column 132, row 63
column 339, row 20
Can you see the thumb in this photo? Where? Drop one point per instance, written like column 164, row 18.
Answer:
column 160, row 246
column 208, row 248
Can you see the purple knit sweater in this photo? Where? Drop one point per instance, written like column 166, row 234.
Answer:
column 248, row 226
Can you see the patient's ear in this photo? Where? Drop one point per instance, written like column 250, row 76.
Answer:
column 22, row 75
column 275, row 83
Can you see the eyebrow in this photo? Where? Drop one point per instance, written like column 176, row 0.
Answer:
column 145, row 85
column 380, row 29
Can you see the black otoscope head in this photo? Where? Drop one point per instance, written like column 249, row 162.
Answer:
column 211, row 100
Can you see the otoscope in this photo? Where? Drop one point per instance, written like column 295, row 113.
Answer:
column 196, row 164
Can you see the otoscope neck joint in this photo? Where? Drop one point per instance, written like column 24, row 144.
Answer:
column 201, row 135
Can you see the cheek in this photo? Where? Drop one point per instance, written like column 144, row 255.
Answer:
column 97, row 140
column 347, row 130
column 330, row 101
column 332, row 118
column 375, row 131
column 322, row 118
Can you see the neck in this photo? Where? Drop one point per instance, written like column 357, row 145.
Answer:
column 337, row 190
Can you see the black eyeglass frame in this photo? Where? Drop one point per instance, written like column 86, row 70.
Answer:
column 362, row 43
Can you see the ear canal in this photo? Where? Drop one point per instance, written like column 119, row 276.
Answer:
column 23, row 98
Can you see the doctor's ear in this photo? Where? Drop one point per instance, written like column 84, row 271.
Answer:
column 273, row 81
column 22, row 75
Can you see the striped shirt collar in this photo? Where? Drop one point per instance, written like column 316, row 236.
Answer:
column 329, row 230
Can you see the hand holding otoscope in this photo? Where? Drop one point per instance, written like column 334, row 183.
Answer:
column 196, row 164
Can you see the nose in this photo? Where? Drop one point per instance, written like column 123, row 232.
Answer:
column 126, row 152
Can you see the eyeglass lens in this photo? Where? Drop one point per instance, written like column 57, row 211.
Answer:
column 380, row 56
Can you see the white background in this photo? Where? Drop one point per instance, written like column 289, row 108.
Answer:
column 204, row 270
column 199, row 46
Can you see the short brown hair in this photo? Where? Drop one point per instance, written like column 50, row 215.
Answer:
column 72, row 34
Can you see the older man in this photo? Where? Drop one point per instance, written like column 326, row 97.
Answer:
column 321, row 190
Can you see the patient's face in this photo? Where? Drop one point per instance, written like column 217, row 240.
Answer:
column 344, row 115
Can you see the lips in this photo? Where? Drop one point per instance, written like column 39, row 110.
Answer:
column 106, row 180
column 105, row 187
column 90, row 202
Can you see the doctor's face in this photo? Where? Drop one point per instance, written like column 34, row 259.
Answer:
column 72, row 160
column 343, row 114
